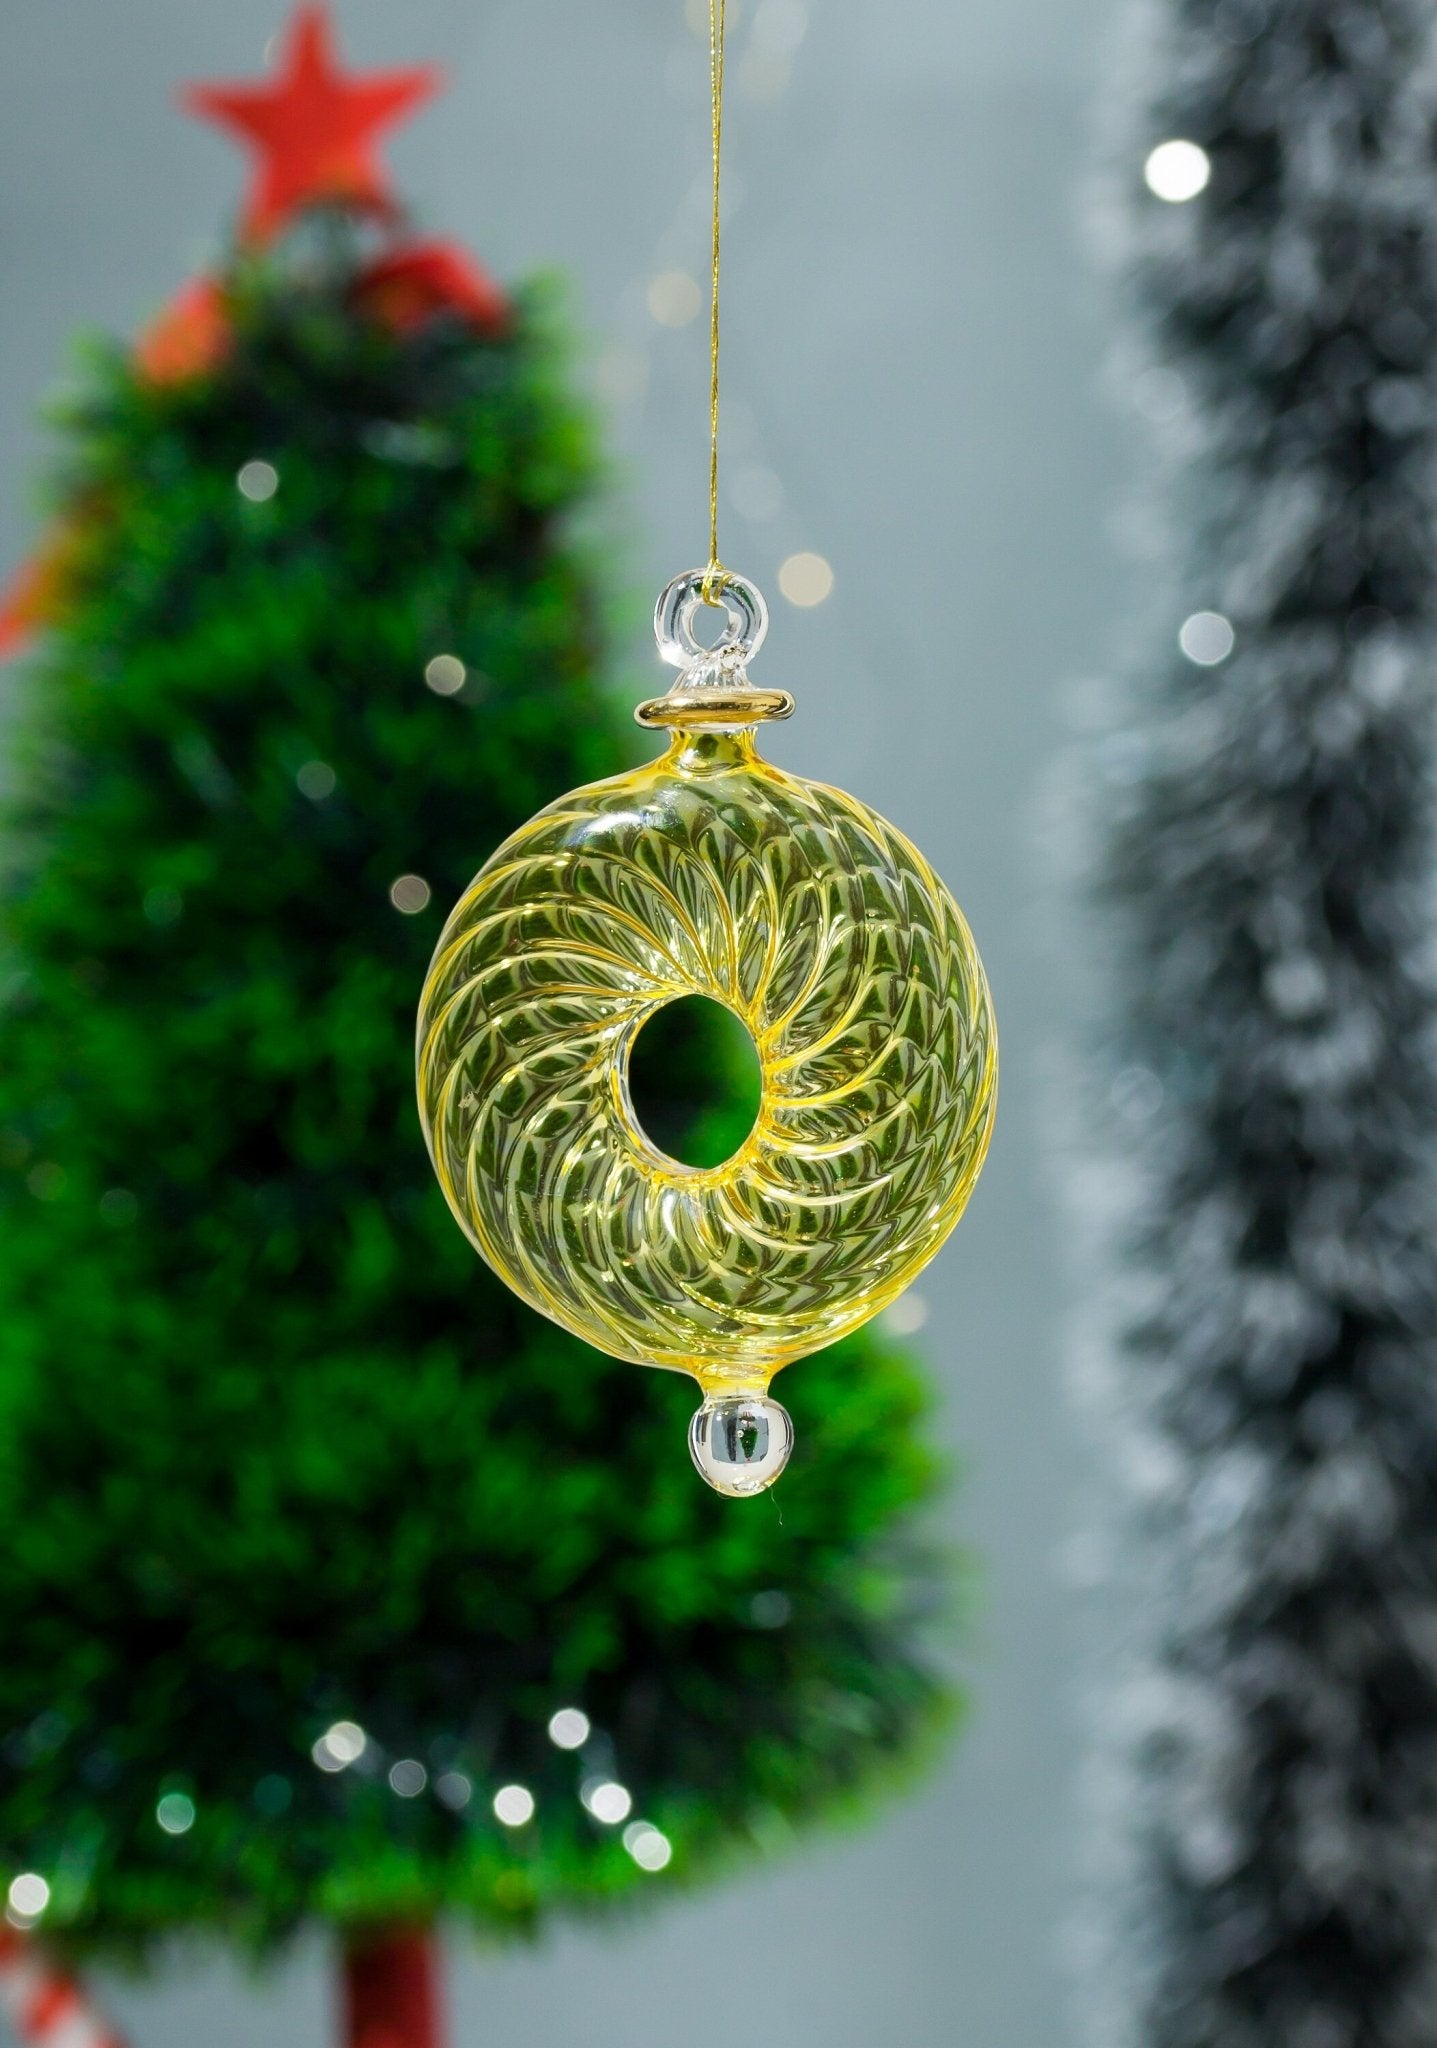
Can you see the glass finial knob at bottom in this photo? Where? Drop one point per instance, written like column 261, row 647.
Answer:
column 740, row 1442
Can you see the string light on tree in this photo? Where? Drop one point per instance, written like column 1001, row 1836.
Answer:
column 770, row 1609
column 607, row 1800
column 340, row 1746
column 27, row 1898
column 569, row 1728
column 649, row 1847
column 316, row 780
column 175, row 1813
column 445, row 674
column 410, row 894
column 514, row 1805
column 257, row 480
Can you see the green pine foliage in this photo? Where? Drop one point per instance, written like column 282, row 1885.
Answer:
column 276, row 1450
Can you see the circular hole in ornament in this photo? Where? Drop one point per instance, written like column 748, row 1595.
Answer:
column 694, row 1081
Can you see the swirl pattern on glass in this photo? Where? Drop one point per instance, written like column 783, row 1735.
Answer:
column 708, row 872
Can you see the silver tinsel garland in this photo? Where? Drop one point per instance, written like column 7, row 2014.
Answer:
column 1268, row 1377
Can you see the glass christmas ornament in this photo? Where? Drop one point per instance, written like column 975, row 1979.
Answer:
column 709, row 872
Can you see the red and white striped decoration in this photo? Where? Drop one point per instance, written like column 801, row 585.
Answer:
column 43, row 2005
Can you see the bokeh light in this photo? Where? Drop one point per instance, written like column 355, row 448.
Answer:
column 1177, row 170
column 607, row 1800
column 514, row 1805
column 569, row 1728
column 175, row 1813
column 454, row 1790
column 316, row 780
column 755, row 492
column 770, row 1608
column 28, row 1896
column 340, row 1746
column 649, row 1847
column 409, row 893
column 1206, row 638
column 906, row 1316
column 445, row 674
column 163, row 905
column 47, row 1180
column 257, row 481
column 805, row 578
column 674, row 298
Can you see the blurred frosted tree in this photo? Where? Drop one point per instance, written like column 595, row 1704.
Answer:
column 1269, row 853
column 335, row 1587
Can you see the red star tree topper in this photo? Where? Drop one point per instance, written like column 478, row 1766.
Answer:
column 313, row 129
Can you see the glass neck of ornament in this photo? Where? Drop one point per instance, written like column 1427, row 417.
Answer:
column 703, row 752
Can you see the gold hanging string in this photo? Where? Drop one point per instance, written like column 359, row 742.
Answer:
column 715, row 575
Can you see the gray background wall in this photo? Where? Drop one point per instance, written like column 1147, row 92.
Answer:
column 912, row 348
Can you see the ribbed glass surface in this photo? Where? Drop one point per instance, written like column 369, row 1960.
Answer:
column 824, row 930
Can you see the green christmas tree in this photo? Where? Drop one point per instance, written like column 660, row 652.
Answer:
column 334, row 1585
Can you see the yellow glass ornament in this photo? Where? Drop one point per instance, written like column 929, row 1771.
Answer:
column 709, row 872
